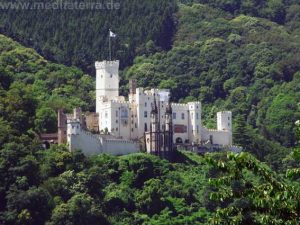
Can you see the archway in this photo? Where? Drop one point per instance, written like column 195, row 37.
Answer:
column 178, row 140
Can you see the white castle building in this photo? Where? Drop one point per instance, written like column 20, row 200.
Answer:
column 125, row 124
column 130, row 119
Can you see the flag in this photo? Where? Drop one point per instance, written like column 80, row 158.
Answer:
column 111, row 34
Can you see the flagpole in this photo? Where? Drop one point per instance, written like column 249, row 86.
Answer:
column 109, row 42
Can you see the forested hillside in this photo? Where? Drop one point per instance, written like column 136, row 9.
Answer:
column 56, row 187
column 33, row 89
column 235, row 55
column 237, row 62
column 80, row 37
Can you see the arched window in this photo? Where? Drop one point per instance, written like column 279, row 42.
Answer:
column 179, row 140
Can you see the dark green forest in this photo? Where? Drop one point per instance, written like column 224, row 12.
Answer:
column 241, row 56
column 80, row 37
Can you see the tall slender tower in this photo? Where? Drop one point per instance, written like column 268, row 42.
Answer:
column 62, row 127
column 107, row 81
column 154, row 129
column 168, row 132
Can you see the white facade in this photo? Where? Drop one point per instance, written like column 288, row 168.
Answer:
column 92, row 144
column 224, row 120
column 107, row 81
column 130, row 119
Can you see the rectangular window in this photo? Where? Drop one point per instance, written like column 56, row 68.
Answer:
column 117, row 113
column 197, row 129
column 182, row 116
column 145, row 114
column 197, row 116
column 145, row 104
column 174, row 116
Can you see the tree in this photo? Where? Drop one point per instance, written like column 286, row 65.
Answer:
column 80, row 209
column 263, row 197
column 45, row 121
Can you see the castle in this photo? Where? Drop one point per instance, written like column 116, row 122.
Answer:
column 147, row 117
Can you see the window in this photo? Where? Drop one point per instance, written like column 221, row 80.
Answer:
column 135, row 125
column 192, row 114
column 106, row 115
column 145, row 128
column 145, row 104
column 111, row 75
column 197, row 129
column 229, row 118
column 229, row 124
column 182, row 116
column 117, row 113
column 117, row 121
column 197, row 116
column 117, row 129
column 174, row 116
column 145, row 114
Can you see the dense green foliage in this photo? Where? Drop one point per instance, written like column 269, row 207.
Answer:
column 237, row 55
column 33, row 89
column 80, row 37
column 58, row 187
column 236, row 62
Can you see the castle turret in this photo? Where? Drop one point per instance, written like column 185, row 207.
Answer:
column 195, row 122
column 224, row 121
column 168, row 131
column 107, row 81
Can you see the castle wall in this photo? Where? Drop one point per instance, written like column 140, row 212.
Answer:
column 120, row 147
column 216, row 137
column 92, row 121
column 91, row 144
column 88, row 143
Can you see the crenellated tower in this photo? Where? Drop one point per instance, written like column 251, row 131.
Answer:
column 107, row 81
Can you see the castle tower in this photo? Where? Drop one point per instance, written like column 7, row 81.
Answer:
column 168, row 131
column 224, row 121
column 154, row 129
column 107, row 81
column 132, row 86
column 74, row 127
column 62, row 127
column 195, row 121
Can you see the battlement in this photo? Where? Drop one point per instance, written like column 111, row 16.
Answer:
column 194, row 103
column 105, row 64
column 224, row 112
column 179, row 105
column 119, row 102
column 70, row 121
